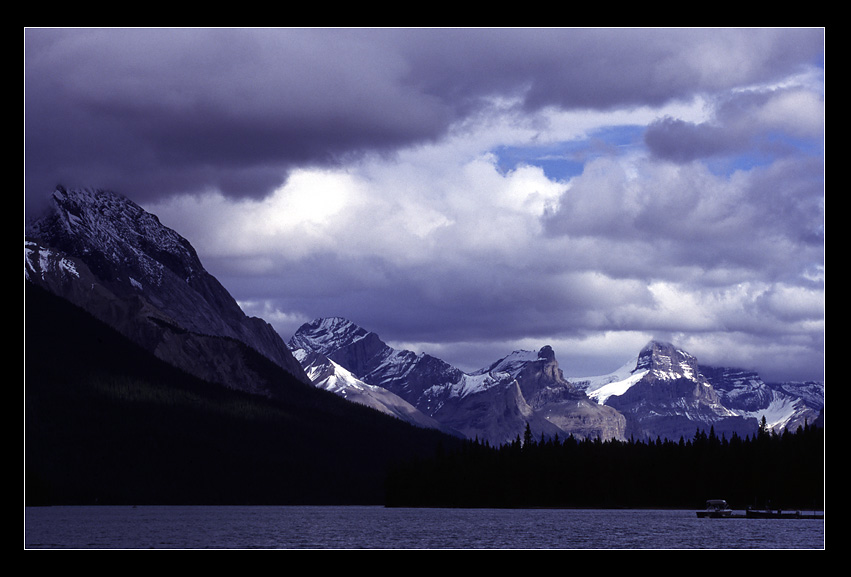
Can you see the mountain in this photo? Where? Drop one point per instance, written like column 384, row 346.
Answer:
column 556, row 400
column 664, row 392
column 340, row 356
column 107, row 255
column 329, row 376
column 493, row 404
column 416, row 378
column 667, row 396
column 146, row 384
column 786, row 405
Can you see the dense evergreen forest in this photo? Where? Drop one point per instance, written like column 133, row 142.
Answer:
column 782, row 470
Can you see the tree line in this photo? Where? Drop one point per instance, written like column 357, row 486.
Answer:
column 782, row 469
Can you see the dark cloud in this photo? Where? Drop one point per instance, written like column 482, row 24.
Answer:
column 681, row 141
column 600, row 68
column 163, row 111
column 768, row 123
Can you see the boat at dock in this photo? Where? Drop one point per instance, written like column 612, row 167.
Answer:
column 715, row 508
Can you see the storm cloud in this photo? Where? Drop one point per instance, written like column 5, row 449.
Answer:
column 469, row 191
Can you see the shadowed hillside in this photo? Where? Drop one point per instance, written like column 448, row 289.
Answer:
column 108, row 423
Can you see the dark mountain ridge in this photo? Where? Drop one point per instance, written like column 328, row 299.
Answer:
column 109, row 423
column 104, row 253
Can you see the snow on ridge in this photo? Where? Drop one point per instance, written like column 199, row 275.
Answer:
column 512, row 362
column 600, row 388
column 329, row 375
column 597, row 381
column 472, row 383
column 780, row 410
column 45, row 258
column 602, row 393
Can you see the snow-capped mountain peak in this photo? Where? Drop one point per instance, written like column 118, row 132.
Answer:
column 665, row 361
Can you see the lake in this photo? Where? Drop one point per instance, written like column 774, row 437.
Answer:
column 266, row 527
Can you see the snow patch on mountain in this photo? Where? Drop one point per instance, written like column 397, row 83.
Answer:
column 779, row 412
column 39, row 260
column 618, row 382
column 471, row 384
column 602, row 393
column 329, row 375
column 511, row 364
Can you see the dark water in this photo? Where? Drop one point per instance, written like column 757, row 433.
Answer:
column 380, row 528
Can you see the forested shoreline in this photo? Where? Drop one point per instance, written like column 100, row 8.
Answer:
column 781, row 470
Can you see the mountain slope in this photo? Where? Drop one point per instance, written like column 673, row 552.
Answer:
column 108, row 423
column 556, row 400
column 329, row 376
column 784, row 405
column 107, row 255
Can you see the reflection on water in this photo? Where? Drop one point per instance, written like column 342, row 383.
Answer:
column 380, row 528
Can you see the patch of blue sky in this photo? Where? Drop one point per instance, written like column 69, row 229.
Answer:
column 769, row 149
column 565, row 159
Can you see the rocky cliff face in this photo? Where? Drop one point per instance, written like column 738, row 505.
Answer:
column 497, row 414
column 107, row 255
column 493, row 404
column 552, row 398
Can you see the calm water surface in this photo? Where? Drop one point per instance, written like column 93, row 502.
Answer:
column 380, row 528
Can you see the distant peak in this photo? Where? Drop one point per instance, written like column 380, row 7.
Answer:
column 326, row 334
column 338, row 325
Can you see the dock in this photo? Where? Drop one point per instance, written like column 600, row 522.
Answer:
column 767, row 515
column 719, row 509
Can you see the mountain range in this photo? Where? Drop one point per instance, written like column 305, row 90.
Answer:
column 105, row 254
column 662, row 392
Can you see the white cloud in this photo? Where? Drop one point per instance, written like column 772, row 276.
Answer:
column 459, row 258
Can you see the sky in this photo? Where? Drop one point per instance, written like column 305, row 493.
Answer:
column 468, row 192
